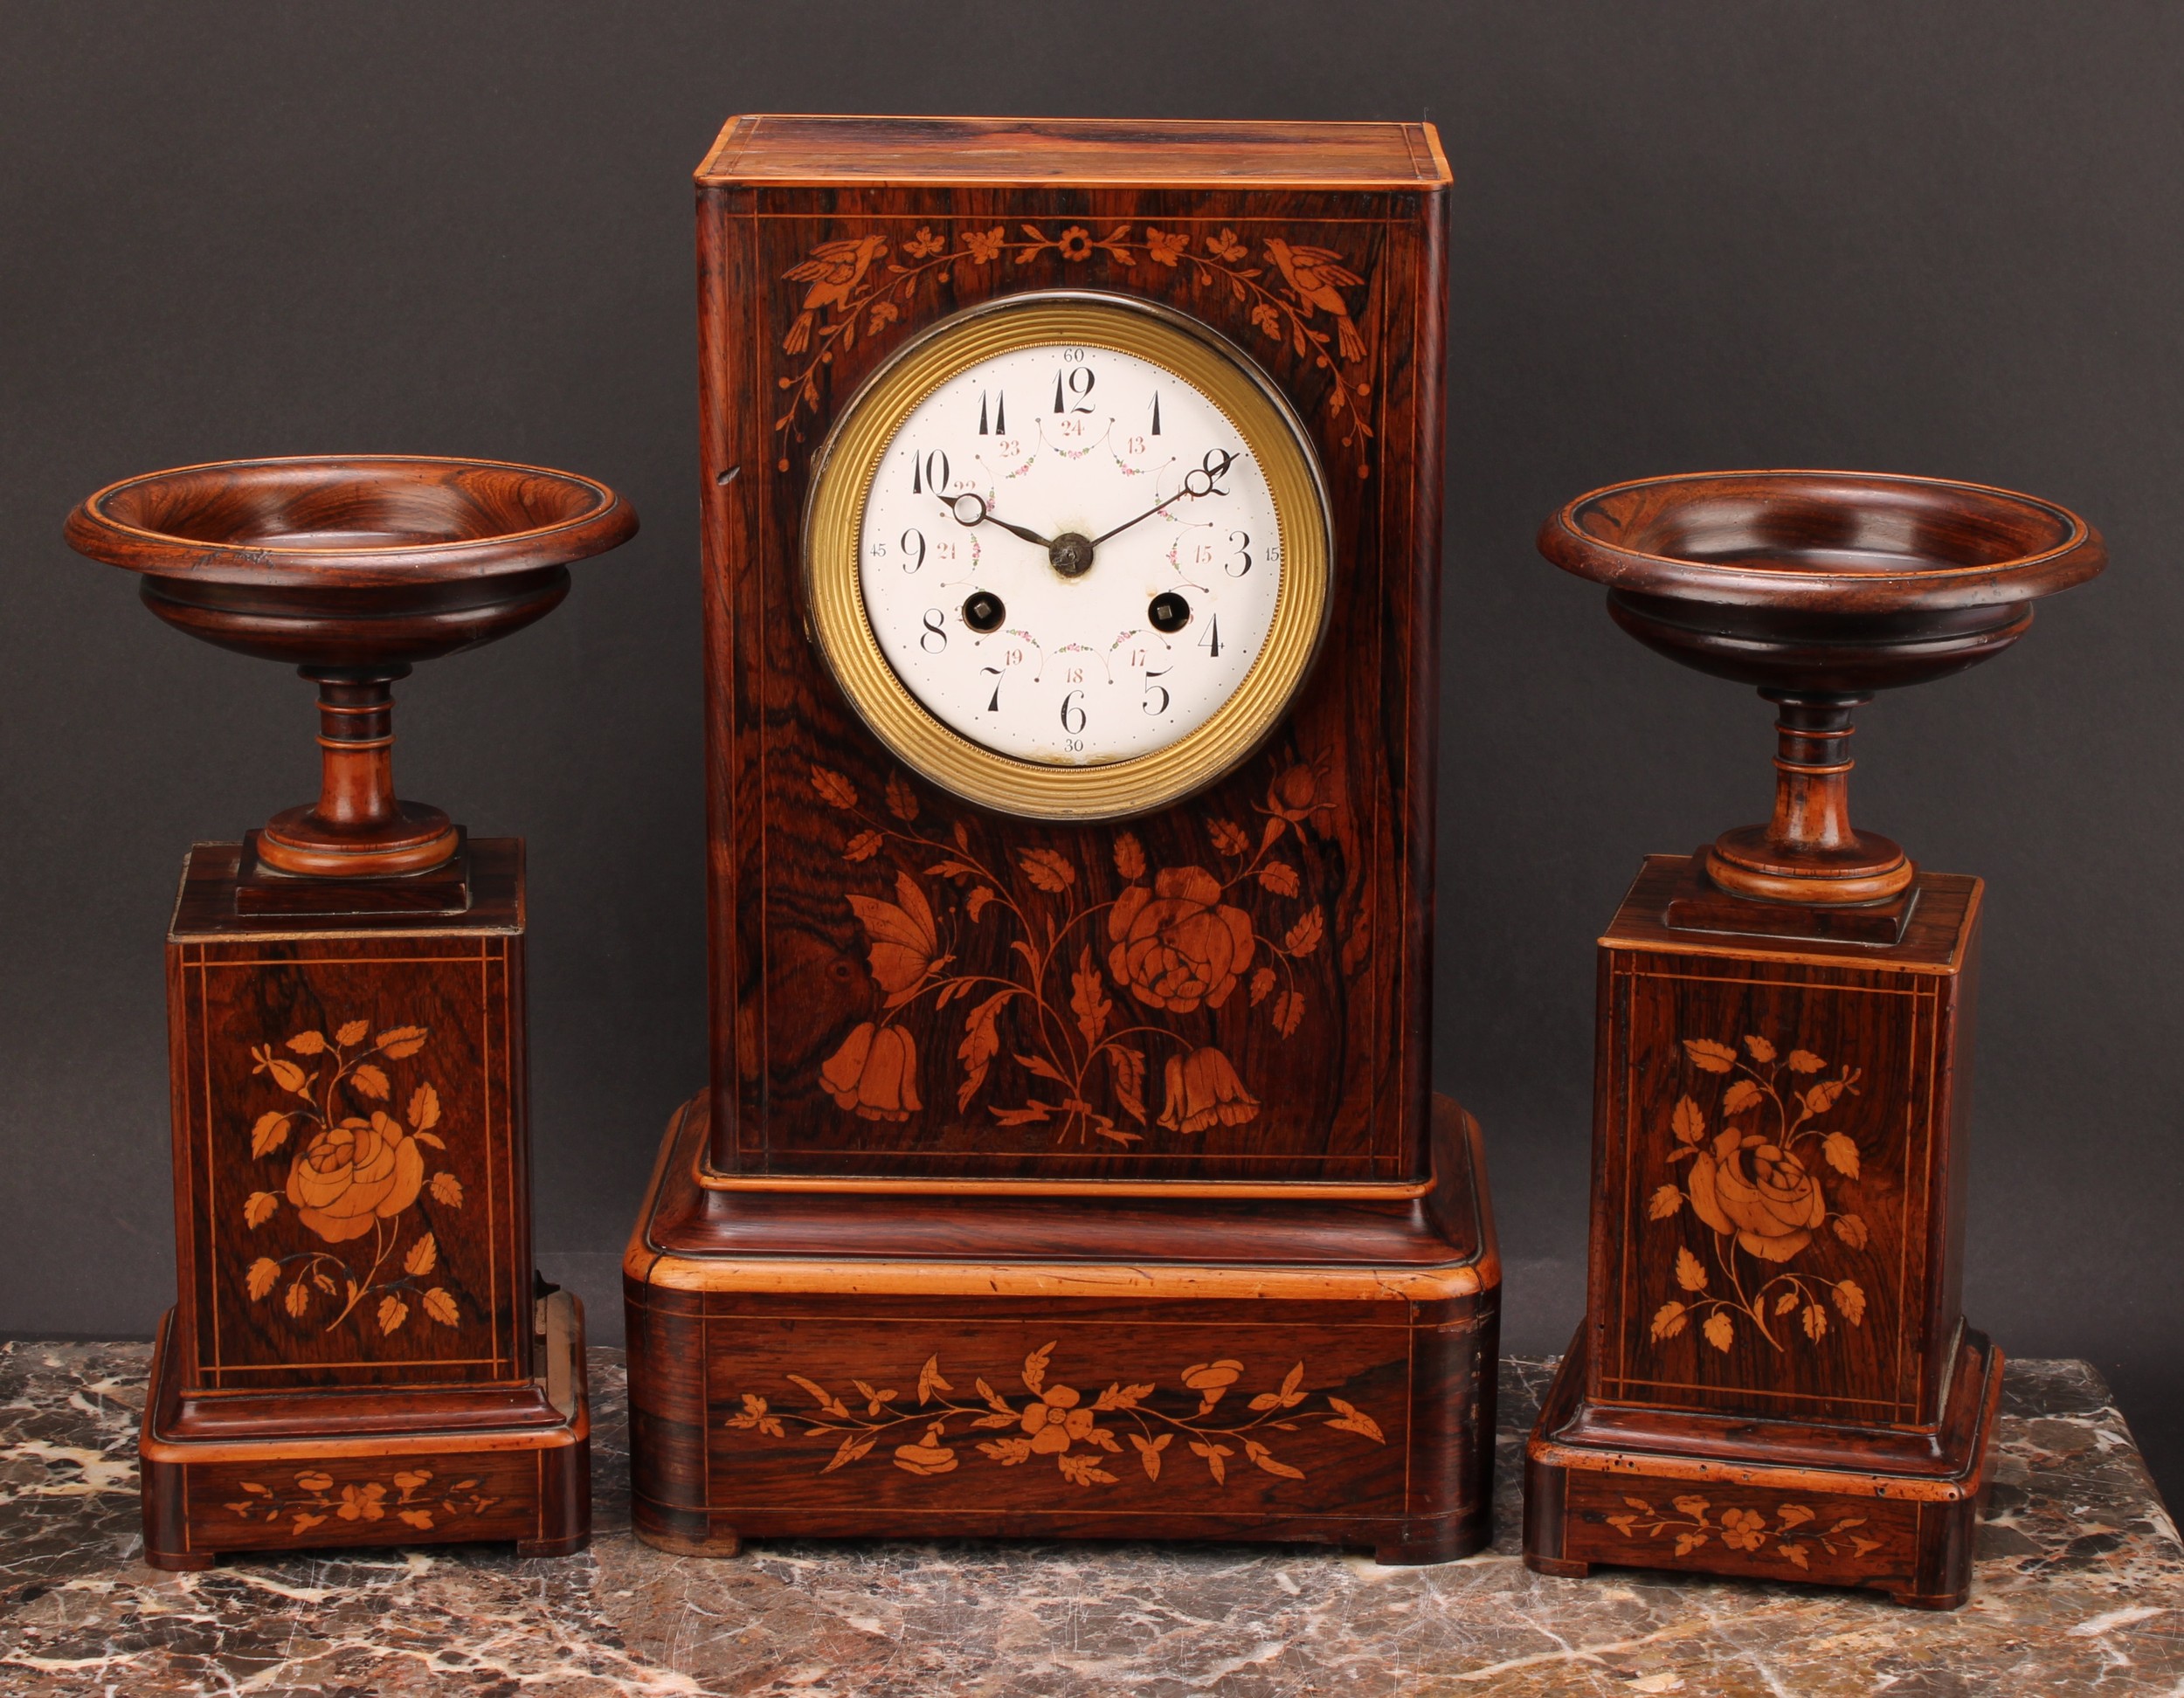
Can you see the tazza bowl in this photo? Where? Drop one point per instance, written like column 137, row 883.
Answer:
column 1819, row 587
column 352, row 569
column 1842, row 582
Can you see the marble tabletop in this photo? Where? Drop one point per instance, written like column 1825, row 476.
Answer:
column 2080, row 1589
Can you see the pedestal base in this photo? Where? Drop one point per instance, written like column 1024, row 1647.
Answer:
column 1760, row 1499
column 361, row 1353
column 1696, row 903
column 1774, row 1378
column 261, row 890
column 407, row 1465
column 834, row 1365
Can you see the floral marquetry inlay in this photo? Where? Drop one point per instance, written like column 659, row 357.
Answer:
column 1082, row 1432
column 355, row 1176
column 1294, row 295
column 313, row 1497
column 1792, row 1532
column 1757, row 1184
column 1095, row 1001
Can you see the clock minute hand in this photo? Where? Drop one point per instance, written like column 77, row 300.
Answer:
column 1198, row 482
column 985, row 515
column 1140, row 518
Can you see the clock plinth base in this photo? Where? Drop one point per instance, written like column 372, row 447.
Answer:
column 1774, row 1378
column 1892, row 1518
column 837, row 1366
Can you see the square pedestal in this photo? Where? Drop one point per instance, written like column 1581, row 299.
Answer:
column 361, row 1352
column 1187, row 1367
column 1774, row 1376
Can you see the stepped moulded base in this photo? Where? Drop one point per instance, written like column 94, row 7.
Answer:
column 814, row 1364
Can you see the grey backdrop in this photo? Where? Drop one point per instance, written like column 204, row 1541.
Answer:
column 1940, row 238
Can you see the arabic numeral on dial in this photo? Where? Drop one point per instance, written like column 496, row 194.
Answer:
column 913, row 549
column 994, row 414
column 1073, row 386
column 994, row 706
column 1205, row 478
column 934, row 637
column 1211, row 641
column 1240, row 541
column 1148, row 703
column 929, row 473
column 1073, row 713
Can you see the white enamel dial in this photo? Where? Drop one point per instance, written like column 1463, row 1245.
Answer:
column 1069, row 555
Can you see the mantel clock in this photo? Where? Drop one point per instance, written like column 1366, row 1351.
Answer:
column 1069, row 1164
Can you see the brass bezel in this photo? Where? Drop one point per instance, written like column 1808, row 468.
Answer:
column 833, row 521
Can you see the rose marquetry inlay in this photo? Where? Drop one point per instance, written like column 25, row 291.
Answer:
column 1757, row 1182
column 1080, row 1001
column 353, row 1179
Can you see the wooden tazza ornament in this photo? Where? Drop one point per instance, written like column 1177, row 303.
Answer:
column 1069, row 1166
column 353, row 569
column 1819, row 587
column 361, row 1353
column 1775, row 1378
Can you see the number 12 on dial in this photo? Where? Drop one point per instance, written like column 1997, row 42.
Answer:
column 1068, row 556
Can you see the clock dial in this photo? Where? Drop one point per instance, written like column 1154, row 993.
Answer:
column 1069, row 554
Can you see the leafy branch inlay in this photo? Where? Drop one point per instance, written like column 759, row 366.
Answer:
column 315, row 1499
column 1175, row 941
column 1756, row 1193
column 1796, row 1529
column 1057, row 1420
column 861, row 284
column 353, row 1175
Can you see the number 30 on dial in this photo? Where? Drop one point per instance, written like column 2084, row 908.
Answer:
column 1068, row 554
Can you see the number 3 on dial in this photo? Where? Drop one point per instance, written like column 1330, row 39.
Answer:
column 1098, row 613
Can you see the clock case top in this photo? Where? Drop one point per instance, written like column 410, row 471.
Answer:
column 838, row 881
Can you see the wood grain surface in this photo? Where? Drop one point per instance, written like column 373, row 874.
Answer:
column 1774, row 1300
column 1313, row 1064
column 384, row 1055
column 1197, row 1369
column 362, row 1353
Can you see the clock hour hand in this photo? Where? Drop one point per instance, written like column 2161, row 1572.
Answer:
column 983, row 514
column 1202, row 480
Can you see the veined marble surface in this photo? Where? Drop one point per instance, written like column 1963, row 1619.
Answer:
column 2080, row 1590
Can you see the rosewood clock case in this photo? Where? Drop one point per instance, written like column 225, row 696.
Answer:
column 1059, row 1178
column 1318, row 249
